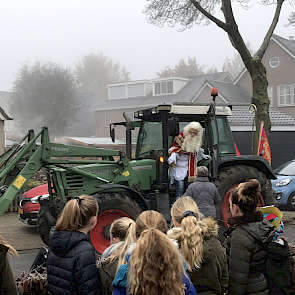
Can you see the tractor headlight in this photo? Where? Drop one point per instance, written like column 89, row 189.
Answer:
column 283, row 182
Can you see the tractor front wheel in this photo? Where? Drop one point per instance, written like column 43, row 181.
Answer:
column 230, row 178
column 112, row 206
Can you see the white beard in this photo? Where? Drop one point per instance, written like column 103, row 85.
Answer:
column 191, row 144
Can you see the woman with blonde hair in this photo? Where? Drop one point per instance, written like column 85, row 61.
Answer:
column 199, row 244
column 154, row 264
column 71, row 265
column 7, row 280
column 249, row 236
column 122, row 235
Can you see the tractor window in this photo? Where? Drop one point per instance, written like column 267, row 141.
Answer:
column 150, row 138
column 226, row 141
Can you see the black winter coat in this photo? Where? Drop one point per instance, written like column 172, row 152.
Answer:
column 246, row 253
column 71, row 265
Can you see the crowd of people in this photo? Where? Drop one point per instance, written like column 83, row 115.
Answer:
column 147, row 258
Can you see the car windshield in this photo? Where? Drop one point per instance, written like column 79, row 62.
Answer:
column 286, row 169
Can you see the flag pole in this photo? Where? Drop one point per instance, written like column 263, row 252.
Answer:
column 252, row 109
column 259, row 137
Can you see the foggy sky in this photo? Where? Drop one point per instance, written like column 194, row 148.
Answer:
column 62, row 31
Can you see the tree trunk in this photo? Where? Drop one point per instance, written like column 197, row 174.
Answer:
column 260, row 97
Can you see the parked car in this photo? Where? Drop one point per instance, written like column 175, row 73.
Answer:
column 284, row 185
column 29, row 206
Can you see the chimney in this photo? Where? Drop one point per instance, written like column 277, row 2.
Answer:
column 291, row 38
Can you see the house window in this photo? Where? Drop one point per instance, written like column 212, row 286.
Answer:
column 165, row 87
column 107, row 120
column 270, row 95
column 286, row 95
column 116, row 92
column 135, row 90
column 274, row 62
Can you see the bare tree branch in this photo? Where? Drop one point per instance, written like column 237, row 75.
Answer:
column 208, row 15
column 270, row 31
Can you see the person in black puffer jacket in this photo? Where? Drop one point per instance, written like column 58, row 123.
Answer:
column 248, row 236
column 71, row 267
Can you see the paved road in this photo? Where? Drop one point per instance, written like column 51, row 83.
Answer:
column 18, row 234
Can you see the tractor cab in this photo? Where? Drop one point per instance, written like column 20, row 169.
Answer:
column 161, row 124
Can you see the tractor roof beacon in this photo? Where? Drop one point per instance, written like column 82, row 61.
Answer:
column 124, row 185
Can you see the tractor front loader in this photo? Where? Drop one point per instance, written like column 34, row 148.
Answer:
column 109, row 177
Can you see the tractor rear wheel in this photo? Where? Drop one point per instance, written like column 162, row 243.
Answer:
column 230, row 178
column 112, row 206
column 43, row 226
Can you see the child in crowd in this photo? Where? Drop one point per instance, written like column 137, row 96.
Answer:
column 155, row 266
column 71, row 265
column 7, row 280
column 247, row 241
column 200, row 247
column 122, row 234
column 277, row 268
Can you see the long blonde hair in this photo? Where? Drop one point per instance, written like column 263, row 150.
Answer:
column 190, row 236
column 77, row 213
column 155, row 264
column 123, row 229
column 11, row 250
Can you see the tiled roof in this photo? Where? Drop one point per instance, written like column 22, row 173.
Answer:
column 242, row 117
column 231, row 92
column 6, row 96
column 4, row 106
column 289, row 45
column 186, row 94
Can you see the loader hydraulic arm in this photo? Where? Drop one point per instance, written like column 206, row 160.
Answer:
column 26, row 158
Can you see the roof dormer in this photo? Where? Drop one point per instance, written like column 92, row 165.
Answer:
column 170, row 85
column 129, row 89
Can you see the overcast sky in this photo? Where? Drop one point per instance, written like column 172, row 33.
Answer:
column 62, row 31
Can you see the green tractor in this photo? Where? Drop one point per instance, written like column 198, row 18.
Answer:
column 124, row 185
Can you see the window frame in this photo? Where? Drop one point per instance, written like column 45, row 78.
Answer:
column 270, row 95
column 292, row 95
column 161, row 87
column 271, row 60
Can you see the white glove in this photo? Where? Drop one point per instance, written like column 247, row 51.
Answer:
column 172, row 158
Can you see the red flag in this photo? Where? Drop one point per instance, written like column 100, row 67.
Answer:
column 263, row 148
column 237, row 150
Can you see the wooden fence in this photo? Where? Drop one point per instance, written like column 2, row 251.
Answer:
column 13, row 207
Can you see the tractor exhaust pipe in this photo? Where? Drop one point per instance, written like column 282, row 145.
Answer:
column 128, row 136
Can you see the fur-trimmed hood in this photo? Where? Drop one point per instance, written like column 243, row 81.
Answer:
column 208, row 225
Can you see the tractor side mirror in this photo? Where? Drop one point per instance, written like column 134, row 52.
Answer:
column 112, row 133
column 173, row 126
